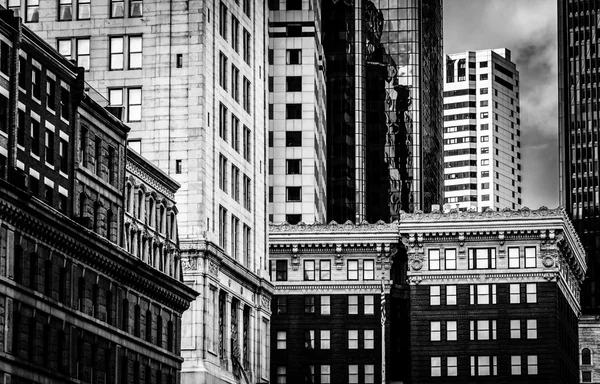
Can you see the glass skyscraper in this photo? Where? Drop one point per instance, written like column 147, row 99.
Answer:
column 578, row 131
column 384, row 107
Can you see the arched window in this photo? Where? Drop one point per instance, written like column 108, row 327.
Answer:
column 129, row 198
column 160, row 225
column 140, row 204
column 125, row 316
column 172, row 228
column 170, row 336
column 149, row 325
column 151, row 212
column 586, row 356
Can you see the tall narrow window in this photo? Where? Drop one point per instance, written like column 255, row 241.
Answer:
column 117, row 8
column 134, row 104
column 36, row 81
column 35, row 137
column 65, row 111
column 83, row 9
column 98, row 155
column 33, row 11
column 49, row 155
column 116, row 53
column 135, row 52
column 135, row 8
column 83, row 53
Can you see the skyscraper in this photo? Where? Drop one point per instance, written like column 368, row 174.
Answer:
column 578, row 124
column 384, row 107
column 482, row 131
column 189, row 78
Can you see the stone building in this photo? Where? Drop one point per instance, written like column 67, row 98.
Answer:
column 468, row 297
column 589, row 350
column 75, row 305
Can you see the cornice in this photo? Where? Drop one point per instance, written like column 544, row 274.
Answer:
column 140, row 167
column 92, row 250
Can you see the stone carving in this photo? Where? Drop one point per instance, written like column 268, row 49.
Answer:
column 213, row 268
column 266, row 301
column 548, row 261
column 189, row 263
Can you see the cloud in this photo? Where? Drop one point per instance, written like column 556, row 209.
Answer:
column 528, row 29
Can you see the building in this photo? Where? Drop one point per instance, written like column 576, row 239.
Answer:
column 578, row 131
column 468, row 297
column 189, row 78
column 384, row 108
column 327, row 322
column 482, row 131
column 75, row 304
column 297, row 125
column 494, row 296
column 589, row 332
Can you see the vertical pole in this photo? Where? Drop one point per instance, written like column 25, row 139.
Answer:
column 383, row 381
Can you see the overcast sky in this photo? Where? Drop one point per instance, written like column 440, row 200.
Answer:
column 528, row 29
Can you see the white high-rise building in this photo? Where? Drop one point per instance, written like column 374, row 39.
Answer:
column 297, row 126
column 189, row 77
column 482, row 131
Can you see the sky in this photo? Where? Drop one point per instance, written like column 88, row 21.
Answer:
column 528, row 29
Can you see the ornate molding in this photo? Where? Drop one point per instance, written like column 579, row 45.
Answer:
column 189, row 263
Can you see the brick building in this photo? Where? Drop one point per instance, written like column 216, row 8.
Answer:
column 494, row 296
column 75, row 305
column 589, row 350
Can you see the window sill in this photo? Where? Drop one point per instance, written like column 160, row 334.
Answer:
column 49, row 165
column 37, row 157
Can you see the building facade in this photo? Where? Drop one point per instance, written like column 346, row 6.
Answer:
column 482, row 131
column 589, row 363
column 189, row 78
column 297, row 124
column 578, row 133
column 494, row 296
column 75, row 305
column 327, row 322
column 384, row 107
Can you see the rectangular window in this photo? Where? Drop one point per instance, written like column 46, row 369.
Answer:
column 65, row 10
column 135, row 8
column 246, row 144
column 222, row 227
column 450, row 294
column 293, row 193
column 369, row 374
column 325, row 369
column 235, row 183
column 482, row 329
column 135, row 52
column 451, row 330
column 309, row 339
column 325, row 305
column 434, row 259
column 484, row 365
column 134, row 104
column 83, row 9
column 482, row 294
column 35, row 137
column 353, row 339
column 369, row 339
column 483, row 91
column 223, row 70
column 531, row 290
column 434, row 295
column 293, row 166
column 50, row 93
column 514, row 293
column 83, row 53
column 368, row 269
column 247, row 192
column 435, row 330
column 116, row 53
column 64, row 148
column 246, row 94
column 293, row 111
column 531, row 328
column 33, row 11
column 293, row 84
column 281, row 375
column 223, row 20
column 117, row 8
column 49, row 156
column 235, row 237
column 325, row 337
column 436, row 366
column 235, row 30
column 452, row 366
column 513, row 258
column 450, row 259
column 482, row 258
column 293, row 138
column 309, row 270
column 293, row 56
column 325, row 270
column 515, row 329
column 532, row 365
column 36, row 83
column 246, row 44
column 352, row 269
column 281, row 270
column 353, row 374
column 369, row 305
column 353, row 305
column 222, row 121
column 235, row 133
column 530, row 257
column 515, row 365
column 309, row 304
column 281, row 340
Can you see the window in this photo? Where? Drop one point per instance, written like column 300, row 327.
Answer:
column 483, row 294
column 483, row 91
column 223, row 20
column 325, row 270
column 135, row 52
column 293, row 138
column 482, row 258
column 235, row 133
column 83, row 9
column 247, row 193
column 35, row 137
column 515, row 365
column 65, row 10
column 586, row 377
column 246, row 95
column 513, row 258
column 515, row 329
column 293, row 83
column 246, row 143
column 293, row 166
column 281, row 340
column 532, row 365
column 281, row 270
column 325, row 305
column 531, row 291
column 485, row 162
column 309, row 304
column 436, row 366
column 83, row 53
column 309, row 339
column 293, row 193
column 281, row 375
column 117, row 8
column 482, row 329
column 235, row 237
column 293, row 56
column 353, row 339
column 434, row 295
column 33, row 11
column 352, row 374
column 235, row 32
column 293, row 218
column 586, row 356
column 530, row 257
column 246, row 44
column 484, row 365
column 514, row 293
column 369, row 373
column 369, row 339
column 222, row 121
column 435, row 330
column 484, row 115
column 325, row 374
column 49, row 139
column 293, row 111
column 134, row 104
column 36, row 83
column 450, row 259
column 222, row 227
column 483, row 76
column 223, row 70
column 15, row 6
column 452, row 366
column 309, row 270
column 531, row 328
column 223, row 173
column 451, row 330
column 352, row 269
column 135, row 8
column 434, row 259
column 281, row 304
column 450, row 294
column 369, row 270
column 353, row 305
column 325, row 339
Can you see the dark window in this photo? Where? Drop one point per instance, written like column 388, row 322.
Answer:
column 309, row 304
column 3, row 114
column 136, row 320
column 293, row 166
column 64, row 147
column 125, row 316
column 149, row 326
column 293, row 218
column 50, row 93
column 273, row 5
column 98, row 156
column 294, row 30
column 293, row 139
column 293, row 111
column 36, row 80
column 109, row 307
column 293, row 83
column 281, row 304
column 271, row 55
column 49, row 194
column 64, row 104
column 22, row 71
column 293, row 5
column 35, row 137
column 586, row 356
column 49, row 156
column 294, row 56
column 4, row 58
column 293, row 193
column 21, row 128
column 111, row 165
column 280, row 270
column 135, row 8
column 48, row 277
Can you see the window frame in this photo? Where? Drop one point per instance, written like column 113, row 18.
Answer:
column 352, row 272
column 309, row 273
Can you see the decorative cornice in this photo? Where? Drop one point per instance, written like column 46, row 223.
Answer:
column 151, row 175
